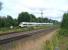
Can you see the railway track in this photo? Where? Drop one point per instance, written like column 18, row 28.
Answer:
column 15, row 36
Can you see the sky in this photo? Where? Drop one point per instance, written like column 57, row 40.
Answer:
column 53, row 9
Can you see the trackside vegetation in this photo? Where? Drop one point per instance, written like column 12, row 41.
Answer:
column 7, row 21
column 64, row 25
column 64, row 33
column 60, row 40
column 18, row 29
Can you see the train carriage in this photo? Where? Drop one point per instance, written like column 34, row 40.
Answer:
column 29, row 24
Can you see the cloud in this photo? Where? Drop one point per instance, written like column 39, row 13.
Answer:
column 52, row 8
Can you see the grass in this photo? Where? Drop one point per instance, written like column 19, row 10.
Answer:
column 18, row 29
column 58, row 42
column 64, row 43
column 52, row 44
column 63, row 35
column 8, row 46
column 63, row 32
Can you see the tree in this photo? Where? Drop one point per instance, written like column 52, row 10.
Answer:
column 64, row 25
column 32, row 18
column 65, row 21
column 3, row 21
column 45, row 20
column 9, row 21
column 39, row 19
column 15, row 22
column 26, row 17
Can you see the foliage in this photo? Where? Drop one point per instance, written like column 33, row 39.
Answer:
column 18, row 29
column 63, row 33
column 26, row 17
column 52, row 44
column 63, row 43
column 58, row 42
column 23, row 17
column 32, row 18
column 64, row 25
column 7, row 21
column 63, row 40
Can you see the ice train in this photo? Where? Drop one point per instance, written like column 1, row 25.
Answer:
column 29, row 24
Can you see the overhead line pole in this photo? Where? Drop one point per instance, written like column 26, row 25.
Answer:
column 41, row 15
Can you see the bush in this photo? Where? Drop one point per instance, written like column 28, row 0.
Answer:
column 64, row 25
column 63, row 32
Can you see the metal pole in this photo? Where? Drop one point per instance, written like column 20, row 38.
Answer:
column 41, row 15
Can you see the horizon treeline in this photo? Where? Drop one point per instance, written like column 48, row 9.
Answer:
column 23, row 17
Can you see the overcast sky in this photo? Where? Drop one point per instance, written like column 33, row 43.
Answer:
column 53, row 9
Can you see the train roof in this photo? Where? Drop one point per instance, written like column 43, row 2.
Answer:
column 34, row 23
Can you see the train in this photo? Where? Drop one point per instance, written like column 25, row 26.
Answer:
column 29, row 24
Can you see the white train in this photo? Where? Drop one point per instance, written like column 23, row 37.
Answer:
column 29, row 24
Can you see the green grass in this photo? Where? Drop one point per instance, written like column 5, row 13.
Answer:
column 59, row 41
column 51, row 44
column 18, row 29
column 63, row 32
column 63, row 36
column 64, row 43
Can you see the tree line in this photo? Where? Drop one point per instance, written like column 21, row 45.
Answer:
column 7, row 21
column 26, row 17
column 22, row 17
